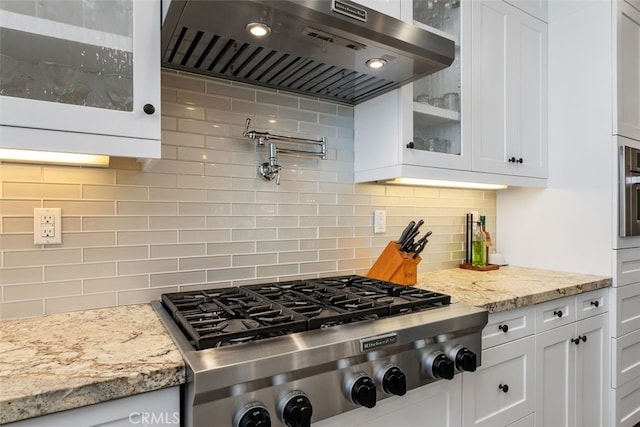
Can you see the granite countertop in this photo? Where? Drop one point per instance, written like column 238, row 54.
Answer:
column 64, row 361
column 509, row 287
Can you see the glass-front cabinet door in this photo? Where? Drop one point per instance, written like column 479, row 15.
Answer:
column 439, row 101
column 87, row 69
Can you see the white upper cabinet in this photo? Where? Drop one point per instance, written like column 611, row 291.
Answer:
column 420, row 124
column 627, row 122
column 536, row 8
column 509, row 120
column 483, row 119
column 81, row 76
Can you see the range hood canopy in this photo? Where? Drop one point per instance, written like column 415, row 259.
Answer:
column 315, row 47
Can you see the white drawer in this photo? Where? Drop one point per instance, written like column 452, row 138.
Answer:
column 554, row 313
column 507, row 326
column 626, row 402
column 627, row 266
column 626, row 306
column 592, row 303
column 626, row 361
column 502, row 390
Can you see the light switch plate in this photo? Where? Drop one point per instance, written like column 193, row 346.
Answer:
column 379, row 221
column 47, row 226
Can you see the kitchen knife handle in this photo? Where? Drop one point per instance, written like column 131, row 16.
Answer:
column 406, row 232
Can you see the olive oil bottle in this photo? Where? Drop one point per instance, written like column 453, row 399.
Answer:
column 479, row 247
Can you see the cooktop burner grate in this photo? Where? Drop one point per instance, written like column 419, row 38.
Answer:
column 221, row 317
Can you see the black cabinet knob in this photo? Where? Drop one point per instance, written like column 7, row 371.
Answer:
column 394, row 382
column 504, row 387
column 466, row 360
column 520, row 160
column 558, row 313
column 363, row 392
column 583, row 338
column 297, row 411
column 149, row 109
column 595, row 303
column 576, row 341
column 411, row 145
column 511, row 160
column 503, row 328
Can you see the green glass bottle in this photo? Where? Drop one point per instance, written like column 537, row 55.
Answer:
column 479, row 247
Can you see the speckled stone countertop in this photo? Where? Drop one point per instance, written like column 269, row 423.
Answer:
column 64, row 361
column 509, row 287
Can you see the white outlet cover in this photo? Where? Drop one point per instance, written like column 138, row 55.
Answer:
column 379, row 221
column 47, row 226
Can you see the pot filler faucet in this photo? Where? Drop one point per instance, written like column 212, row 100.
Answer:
column 292, row 146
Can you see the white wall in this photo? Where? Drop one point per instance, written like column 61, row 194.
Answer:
column 569, row 225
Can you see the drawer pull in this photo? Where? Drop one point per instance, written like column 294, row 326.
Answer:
column 503, row 328
column 558, row 313
column 595, row 304
column 504, row 387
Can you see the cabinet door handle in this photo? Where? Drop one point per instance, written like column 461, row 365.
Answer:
column 558, row 313
column 504, row 387
column 583, row 338
column 576, row 341
column 411, row 145
column 520, row 160
column 511, row 159
column 595, row 304
column 504, row 328
column 149, row 109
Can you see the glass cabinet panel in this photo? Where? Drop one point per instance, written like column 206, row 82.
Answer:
column 437, row 98
column 76, row 52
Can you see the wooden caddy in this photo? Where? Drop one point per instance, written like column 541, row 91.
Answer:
column 395, row 266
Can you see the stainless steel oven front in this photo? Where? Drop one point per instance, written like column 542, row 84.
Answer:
column 629, row 205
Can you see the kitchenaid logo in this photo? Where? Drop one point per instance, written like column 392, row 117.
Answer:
column 154, row 418
column 349, row 10
column 379, row 341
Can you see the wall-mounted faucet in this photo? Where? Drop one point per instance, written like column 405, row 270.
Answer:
column 271, row 169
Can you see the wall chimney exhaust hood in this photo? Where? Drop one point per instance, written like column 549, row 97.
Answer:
column 331, row 49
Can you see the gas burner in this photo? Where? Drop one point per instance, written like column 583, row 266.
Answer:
column 217, row 317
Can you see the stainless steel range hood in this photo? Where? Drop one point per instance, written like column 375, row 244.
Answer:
column 314, row 47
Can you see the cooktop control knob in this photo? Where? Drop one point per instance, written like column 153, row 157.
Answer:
column 295, row 409
column 466, row 360
column 392, row 380
column 361, row 390
column 253, row 414
column 438, row 365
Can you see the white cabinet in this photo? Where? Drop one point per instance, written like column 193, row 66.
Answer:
column 438, row 402
column 421, row 125
column 501, row 391
column 572, row 374
column 509, row 62
column 81, row 76
column 160, row 407
column 466, row 122
column 536, row 8
column 627, row 105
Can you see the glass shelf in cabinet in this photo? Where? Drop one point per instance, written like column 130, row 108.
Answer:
column 430, row 115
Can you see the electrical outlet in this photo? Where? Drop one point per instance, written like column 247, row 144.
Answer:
column 47, row 226
column 379, row 221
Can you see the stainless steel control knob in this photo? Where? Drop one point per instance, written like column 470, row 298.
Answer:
column 464, row 359
column 253, row 414
column 392, row 380
column 295, row 409
column 438, row 365
column 361, row 390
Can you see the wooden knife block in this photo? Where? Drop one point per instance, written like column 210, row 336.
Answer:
column 395, row 266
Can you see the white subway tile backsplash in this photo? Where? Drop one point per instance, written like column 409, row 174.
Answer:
column 202, row 217
column 146, row 237
column 40, row 257
column 79, row 271
column 26, row 291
